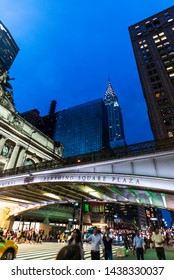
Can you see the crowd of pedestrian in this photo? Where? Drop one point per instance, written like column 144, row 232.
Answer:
column 26, row 236
column 137, row 241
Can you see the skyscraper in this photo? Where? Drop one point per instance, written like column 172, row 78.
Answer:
column 115, row 122
column 153, row 45
column 83, row 129
column 8, row 49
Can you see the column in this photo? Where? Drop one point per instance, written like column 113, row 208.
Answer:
column 21, row 157
column 4, row 215
column 13, row 157
column 2, row 142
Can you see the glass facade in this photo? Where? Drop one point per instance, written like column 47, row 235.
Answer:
column 83, row 129
column 8, row 49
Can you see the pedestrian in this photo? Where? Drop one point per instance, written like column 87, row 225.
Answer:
column 69, row 252
column 126, row 241
column 167, row 238
column 158, row 240
column 76, row 239
column 1, row 232
column 107, row 240
column 96, row 241
column 139, row 246
column 19, row 235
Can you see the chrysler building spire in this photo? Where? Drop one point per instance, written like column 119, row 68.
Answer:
column 116, row 131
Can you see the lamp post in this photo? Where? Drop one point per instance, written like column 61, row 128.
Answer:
column 81, row 213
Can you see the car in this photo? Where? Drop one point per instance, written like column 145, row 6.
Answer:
column 8, row 249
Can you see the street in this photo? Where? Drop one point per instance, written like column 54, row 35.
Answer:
column 49, row 250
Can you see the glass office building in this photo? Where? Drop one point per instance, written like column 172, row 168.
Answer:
column 153, row 45
column 8, row 49
column 83, row 129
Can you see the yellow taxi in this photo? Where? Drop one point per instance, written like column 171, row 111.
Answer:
column 8, row 249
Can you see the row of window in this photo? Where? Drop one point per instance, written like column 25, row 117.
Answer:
column 160, row 93
column 150, row 25
column 166, row 111
column 163, row 48
column 169, row 121
column 163, row 102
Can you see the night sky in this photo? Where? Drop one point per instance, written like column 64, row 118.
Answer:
column 69, row 49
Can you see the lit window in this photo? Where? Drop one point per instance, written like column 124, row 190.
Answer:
column 163, row 38
column 166, row 43
column 170, row 134
column 171, row 19
column 171, row 74
column 169, row 68
column 163, row 56
column 157, row 41
column 155, row 36
column 159, row 46
column 166, row 61
column 157, row 94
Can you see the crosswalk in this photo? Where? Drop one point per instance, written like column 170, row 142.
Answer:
column 48, row 251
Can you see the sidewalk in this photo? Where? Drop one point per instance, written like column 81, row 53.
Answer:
column 149, row 255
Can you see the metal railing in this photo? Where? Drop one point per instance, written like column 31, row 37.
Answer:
column 103, row 155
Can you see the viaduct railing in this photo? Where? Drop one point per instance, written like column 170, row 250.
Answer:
column 103, row 155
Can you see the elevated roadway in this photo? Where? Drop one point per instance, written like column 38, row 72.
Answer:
column 146, row 178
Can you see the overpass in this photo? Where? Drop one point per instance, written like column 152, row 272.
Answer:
column 146, row 178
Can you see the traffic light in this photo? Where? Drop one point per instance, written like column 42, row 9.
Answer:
column 86, row 207
column 76, row 205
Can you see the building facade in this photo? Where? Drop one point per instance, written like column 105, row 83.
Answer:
column 83, row 129
column 115, row 121
column 21, row 143
column 8, row 49
column 153, row 45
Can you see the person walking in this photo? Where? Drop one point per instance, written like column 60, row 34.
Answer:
column 96, row 241
column 1, row 232
column 77, row 240
column 107, row 240
column 158, row 240
column 139, row 246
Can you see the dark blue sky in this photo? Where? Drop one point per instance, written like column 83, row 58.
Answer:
column 69, row 48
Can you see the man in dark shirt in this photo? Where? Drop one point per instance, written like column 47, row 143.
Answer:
column 107, row 240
